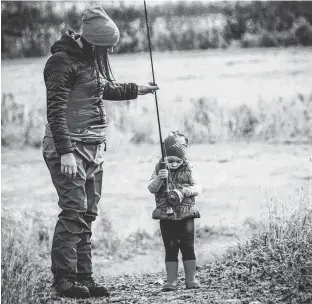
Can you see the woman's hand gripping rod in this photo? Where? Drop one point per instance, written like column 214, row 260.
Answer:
column 162, row 146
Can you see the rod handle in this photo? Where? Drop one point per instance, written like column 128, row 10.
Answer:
column 163, row 166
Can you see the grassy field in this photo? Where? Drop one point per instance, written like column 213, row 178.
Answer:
column 239, row 182
column 229, row 76
column 201, row 93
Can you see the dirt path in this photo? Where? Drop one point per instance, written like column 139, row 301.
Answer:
column 218, row 286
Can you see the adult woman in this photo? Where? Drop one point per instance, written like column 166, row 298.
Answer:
column 78, row 78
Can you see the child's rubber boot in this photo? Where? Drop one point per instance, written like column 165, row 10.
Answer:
column 190, row 270
column 172, row 275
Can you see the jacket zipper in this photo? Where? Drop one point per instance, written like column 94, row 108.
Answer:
column 98, row 95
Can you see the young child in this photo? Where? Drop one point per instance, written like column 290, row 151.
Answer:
column 177, row 217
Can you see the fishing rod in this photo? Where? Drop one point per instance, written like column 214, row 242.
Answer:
column 163, row 163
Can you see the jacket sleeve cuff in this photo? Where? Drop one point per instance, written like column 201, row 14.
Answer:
column 64, row 146
column 135, row 90
column 131, row 91
column 154, row 183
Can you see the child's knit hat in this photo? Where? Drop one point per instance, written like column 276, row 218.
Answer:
column 99, row 29
column 176, row 144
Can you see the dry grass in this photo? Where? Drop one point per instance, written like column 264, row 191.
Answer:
column 275, row 263
column 214, row 96
column 206, row 121
column 279, row 120
column 272, row 266
column 20, row 124
column 23, row 256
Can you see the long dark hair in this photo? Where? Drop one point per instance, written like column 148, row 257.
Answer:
column 97, row 57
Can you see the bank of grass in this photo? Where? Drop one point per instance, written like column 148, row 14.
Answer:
column 204, row 120
column 23, row 256
column 272, row 266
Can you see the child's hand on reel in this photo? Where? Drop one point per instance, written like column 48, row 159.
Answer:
column 186, row 191
column 163, row 173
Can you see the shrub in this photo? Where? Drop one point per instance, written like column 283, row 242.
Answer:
column 276, row 259
column 285, row 119
column 263, row 39
column 268, row 40
column 19, row 124
column 107, row 239
column 303, row 31
column 23, row 277
column 249, row 40
column 204, row 120
column 286, row 38
column 282, row 120
column 243, row 122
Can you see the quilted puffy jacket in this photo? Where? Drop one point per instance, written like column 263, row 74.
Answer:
column 75, row 94
column 182, row 177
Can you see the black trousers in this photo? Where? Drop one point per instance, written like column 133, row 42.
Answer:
column 178, row 235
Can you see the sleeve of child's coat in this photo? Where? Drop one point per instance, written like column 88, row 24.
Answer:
column 195, row 184
column 154, row 183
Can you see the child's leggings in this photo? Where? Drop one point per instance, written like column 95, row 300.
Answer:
column 178, row 235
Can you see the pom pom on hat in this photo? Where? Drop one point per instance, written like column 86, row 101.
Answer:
column 98, row 28
column 176, row 144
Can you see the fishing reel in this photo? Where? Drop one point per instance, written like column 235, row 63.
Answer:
column 175, row 197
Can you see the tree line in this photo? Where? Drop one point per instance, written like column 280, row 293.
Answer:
column 30, row 28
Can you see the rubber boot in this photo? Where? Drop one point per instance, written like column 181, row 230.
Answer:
column 190, row 270
column 172, row 275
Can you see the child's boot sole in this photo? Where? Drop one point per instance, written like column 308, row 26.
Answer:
column 169, row 287
column 193, row 285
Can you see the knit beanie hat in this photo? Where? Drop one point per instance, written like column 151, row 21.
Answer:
column 176, row 144
column 99, row 29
